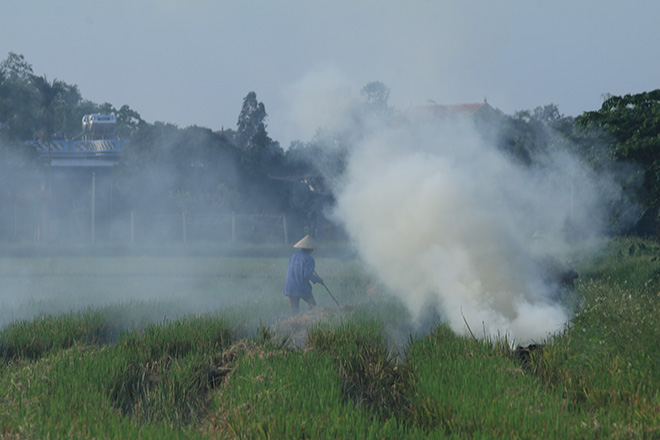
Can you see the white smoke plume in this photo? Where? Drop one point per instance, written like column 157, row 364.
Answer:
column 325, row 84
column 446, row 220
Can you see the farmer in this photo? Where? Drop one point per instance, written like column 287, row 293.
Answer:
column 299, row 274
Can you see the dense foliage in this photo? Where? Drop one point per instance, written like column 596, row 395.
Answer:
column 627, row 129
column 196, row 172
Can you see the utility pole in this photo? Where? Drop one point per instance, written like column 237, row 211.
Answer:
column 93, row 205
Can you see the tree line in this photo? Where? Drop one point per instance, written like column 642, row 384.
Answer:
column 198, row 171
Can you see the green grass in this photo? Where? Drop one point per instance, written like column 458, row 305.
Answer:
column 476, row 389
column 214, row 354
column 609, row 357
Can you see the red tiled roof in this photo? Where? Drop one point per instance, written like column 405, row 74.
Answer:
column 468, row 109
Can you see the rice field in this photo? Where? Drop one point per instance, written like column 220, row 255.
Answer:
column 159, row 345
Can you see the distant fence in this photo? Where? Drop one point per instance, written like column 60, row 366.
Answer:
column 188, row 227
column 136, row 227
column 83, row 224
column 80, row 207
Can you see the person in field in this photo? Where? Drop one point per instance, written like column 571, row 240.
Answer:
column 300, row 274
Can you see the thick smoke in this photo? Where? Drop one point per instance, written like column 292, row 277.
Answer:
column 446, row 221
column 325, row 84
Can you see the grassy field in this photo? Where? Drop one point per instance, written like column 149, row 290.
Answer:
column 158, row 345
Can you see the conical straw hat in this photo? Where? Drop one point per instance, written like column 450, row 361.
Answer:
column 306, row 242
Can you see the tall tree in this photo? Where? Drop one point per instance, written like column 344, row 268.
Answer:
column 262, row 155
column 66, row 117
column 17, row 111
column 376, row 95
column 15, row 67
column 48, row 92
column 251, row 120
column 128, row 121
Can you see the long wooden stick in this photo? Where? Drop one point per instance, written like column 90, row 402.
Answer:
column 333, row 297
column 328, row 290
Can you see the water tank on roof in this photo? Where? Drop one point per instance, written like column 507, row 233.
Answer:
column 85, row 124
column 99, row 125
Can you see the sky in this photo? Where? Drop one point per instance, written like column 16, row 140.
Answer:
column 191, row 62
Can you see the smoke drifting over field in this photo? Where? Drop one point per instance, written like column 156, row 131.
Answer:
column 446, row 220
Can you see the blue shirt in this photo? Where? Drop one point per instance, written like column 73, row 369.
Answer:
column 299, row 274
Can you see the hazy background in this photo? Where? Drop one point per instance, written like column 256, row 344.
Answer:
column 192, row 62
column 443, row 218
